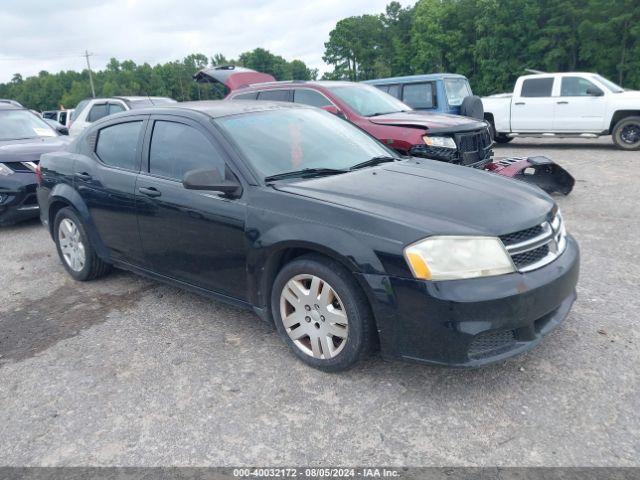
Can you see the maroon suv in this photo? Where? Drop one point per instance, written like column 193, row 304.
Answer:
column 451, row 138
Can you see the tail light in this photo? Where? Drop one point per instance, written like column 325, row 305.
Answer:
column 38, row 174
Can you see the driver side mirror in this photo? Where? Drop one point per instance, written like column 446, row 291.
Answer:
column 333, row 109
column 210, row 179
column 594, row 92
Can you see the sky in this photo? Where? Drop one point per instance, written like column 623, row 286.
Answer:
column 52, row 34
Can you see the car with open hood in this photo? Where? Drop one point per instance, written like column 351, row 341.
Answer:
column 316, row 226
column 450, row 138
column 24, row 136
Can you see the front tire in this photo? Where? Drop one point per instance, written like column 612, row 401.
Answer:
column 322, row 314
column 626, row 133
column 76, row 253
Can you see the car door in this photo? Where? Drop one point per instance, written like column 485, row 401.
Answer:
column 192, row 236
column 106, row 180
column 580, row 107
column 533, row 109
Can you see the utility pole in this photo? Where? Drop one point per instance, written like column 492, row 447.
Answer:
column 87, row 55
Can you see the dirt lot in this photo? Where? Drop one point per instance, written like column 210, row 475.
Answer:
column 125, row 371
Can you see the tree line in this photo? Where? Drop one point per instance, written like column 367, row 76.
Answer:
column 490, row 41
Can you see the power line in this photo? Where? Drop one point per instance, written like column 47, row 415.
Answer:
column 86, row 56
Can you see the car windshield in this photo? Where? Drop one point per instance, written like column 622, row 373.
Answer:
column 457, row 90
column 368, row 101
column 286, row 140
column 609, row 84
column 22, row 124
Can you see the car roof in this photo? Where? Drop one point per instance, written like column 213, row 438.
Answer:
column 413, row 78
column 127, row 98
column 8, row 101
column 10, row 106
column 297, row 83
column 215, row 108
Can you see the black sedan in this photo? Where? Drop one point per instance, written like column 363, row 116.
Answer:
column 316, row 226
column 23, row 138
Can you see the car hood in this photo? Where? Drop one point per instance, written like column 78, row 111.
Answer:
column 433, row 122
column 629, row 95
column 29, row 150
column 433, row 197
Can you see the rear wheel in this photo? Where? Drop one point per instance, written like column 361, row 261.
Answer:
column 322, row 314
column 76, row 253
column 626, row 133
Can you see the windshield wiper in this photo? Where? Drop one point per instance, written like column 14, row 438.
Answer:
column 304, row 173
column 377, row 114
column 374, row 161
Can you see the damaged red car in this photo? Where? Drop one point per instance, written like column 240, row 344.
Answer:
column 450, row 138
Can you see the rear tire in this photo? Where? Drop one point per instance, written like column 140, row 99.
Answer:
column 76, row 253
column 327, row 321
column 626, row 133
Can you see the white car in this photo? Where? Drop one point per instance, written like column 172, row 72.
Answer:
column 92, row 109
column 575, row 104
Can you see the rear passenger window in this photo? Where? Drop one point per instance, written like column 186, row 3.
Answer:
column 177, row 148
column 275, row 95
column 246, row 96
column 117, row 145
column 418, row 95
column 97, row 112
column 537, row 87
column 310, row 97
column 394, row 90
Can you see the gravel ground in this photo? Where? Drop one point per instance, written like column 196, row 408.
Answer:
column 126, row 371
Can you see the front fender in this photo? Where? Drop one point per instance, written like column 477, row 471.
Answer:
column 64, row 193
column 270, row 247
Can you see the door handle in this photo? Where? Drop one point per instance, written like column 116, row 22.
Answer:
column 519, row 103
column 150, row 192
column 83, row 176
column 562, row 103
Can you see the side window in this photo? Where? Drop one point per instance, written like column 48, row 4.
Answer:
column 246, row 96
column 576, row 87
column 394, row 90
column 97, row 112
column 537, row 87
column 117, row 145
column 384, row 88
column 310, row 97
column 275, row 95
column 418, row 95
column 115, row 108
column 63, row 118
column 177, row 148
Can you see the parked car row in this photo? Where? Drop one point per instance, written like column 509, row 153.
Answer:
column 450, row 138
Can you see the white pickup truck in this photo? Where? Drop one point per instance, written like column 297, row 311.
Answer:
column 575, row 104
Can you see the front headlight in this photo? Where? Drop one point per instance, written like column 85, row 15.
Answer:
column 451, row 258
column 444, row 142
column 4, row 170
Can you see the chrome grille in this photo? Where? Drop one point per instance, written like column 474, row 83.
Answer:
column 537, row 246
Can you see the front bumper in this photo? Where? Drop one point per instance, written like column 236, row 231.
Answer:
column 18, row 200
column 470, row 323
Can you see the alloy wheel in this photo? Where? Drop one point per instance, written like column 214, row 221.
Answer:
column 71, row 246
column 313, row 316
column 630, row 134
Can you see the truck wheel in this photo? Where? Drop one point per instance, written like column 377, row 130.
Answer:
column 499, row 138
column 626, row 133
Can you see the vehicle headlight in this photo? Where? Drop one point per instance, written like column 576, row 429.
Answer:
column 452, row 257
column 4, row 170
column 444, row 142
